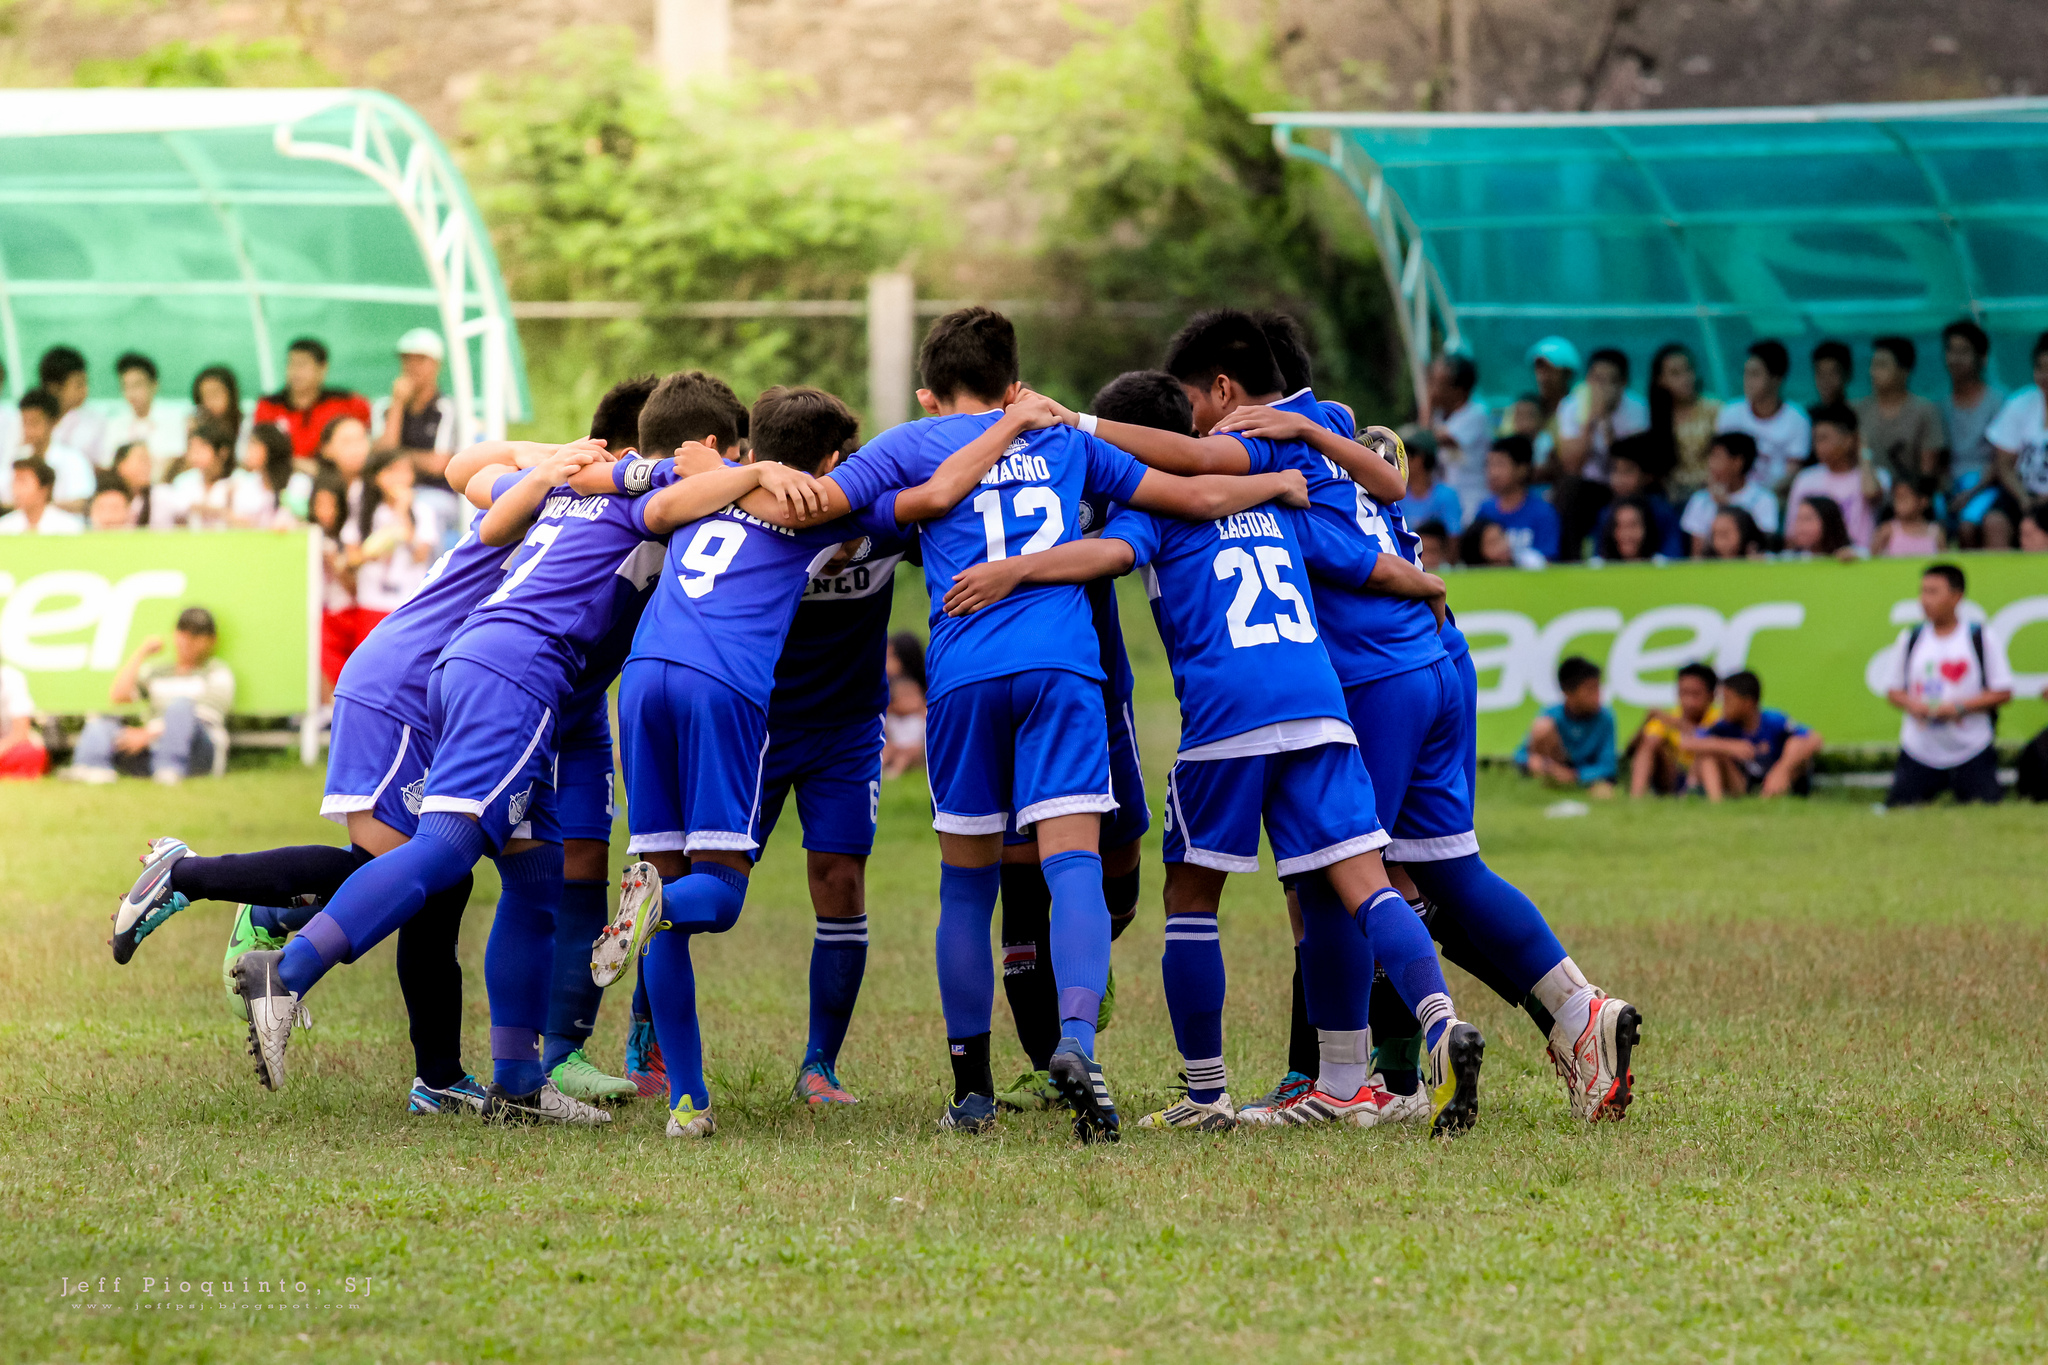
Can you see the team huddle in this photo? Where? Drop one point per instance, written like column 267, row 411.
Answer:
column 741, row 606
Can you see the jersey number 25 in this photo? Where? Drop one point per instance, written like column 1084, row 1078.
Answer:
column 1298, row 626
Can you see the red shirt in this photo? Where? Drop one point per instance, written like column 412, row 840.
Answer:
column 305, row 425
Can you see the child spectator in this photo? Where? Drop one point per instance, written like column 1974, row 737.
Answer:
column 1729, row 461
column 1751, row 749
column 217, row 394
column 1524, row 418
column 264, row 484
column 1572, row 744
column 1434, row 546
column 1531, row 524
column 345, row 448
column 305, row 408
column 1658, row 761
column 395, row 541
column 2019, row 437
column 78, row 427
column 1817, row 529
column 1427, row 499
column 73, row 471
column 189, row 696
column 1596, row 415
column 1627, row 534
column 1841, row 472
column 1681, row 419
column 1966, row 415
column 1463, row 431
column 135, row 467
column 1950, row 679
column 1901, row 430
column 157, row 422
column 903, row 722
column 1628, row 474
column 22, row 754
column 35, row 511
column 1485, row 545
column 328, row 508
column 199, row 498
column 1735, row 535
column 1912, row 532
column 1832, row 360
column 109, row 510
column 1782, row 433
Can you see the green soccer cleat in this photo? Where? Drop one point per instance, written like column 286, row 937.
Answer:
column 575, row 1077
column 1032, row 1090
column 686, row 1120
column 243, row 938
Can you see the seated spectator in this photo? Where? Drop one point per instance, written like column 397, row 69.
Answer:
column 200, row 497
column 1434, row 546
column 420, row 420
column 1628, row 533
column 391, row 541
column 1572, row 744
column 903, row 722
column 1782, row 433
column 1427, row 499
column 189, row 696
column 1593, row 418
column 1817, row 529
column 1681, row 419
column 262, row 486
column 2034, row 531
column 1842, row 474
column 109, row 509
column 35, row 511
column 344, row 448
column 1901, row 430
column 1950, row 679
column 135, row 467
column 1554, row 362
column 1966, row 415
column 1751, row 749
column 1658, row 761
column 2019, row 438
column 159, row 423
column 1912, row 532
column 1832, row 361
column 1729, row 461
column 1531, row 524
column 339, row 637
column 74, row 472
column 1524, row 418
column 1735, row 535
column 216, row 393
column 62, row 371
column 1485, row 545
column 1628, row 474
column 1463, row 431
column 22, row 754
column 305, row 407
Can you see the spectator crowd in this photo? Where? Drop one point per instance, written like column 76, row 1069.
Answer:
column 1582, row 467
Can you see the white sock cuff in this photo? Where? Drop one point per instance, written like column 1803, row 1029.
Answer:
column 1196, row 928
column 1345, row 1047
column 1433, row 1010
column 846, row 932
column 1205, row 1073
column 1555, row 988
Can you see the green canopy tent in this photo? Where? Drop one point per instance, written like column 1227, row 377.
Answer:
column 213, row 226
column 1709, row 227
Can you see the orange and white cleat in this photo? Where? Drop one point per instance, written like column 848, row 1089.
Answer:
column 818, row 1084
column 632, row 925
column 1595, row 1066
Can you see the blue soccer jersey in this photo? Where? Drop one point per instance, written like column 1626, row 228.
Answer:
column 832, row 669
column 1030, row 501
column 1235, row 609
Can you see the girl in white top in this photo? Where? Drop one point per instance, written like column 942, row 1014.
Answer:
column 200, row 496
column 392, row 540
column 261, row 481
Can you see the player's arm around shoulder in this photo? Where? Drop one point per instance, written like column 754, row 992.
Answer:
column 1078, row 561
column 757, row 483
column 511, row 512
column 1378, row 475
column 1205, row 497
column 961, row 472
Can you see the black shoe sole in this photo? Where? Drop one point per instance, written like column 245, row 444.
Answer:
column 1628, row 1031
column 1468, row 1053
column 1077, row 1088
column 124, row 946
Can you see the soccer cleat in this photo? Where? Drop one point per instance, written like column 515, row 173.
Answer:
column 686, row 1120
column 1216, row 1117
column 244, row 938
column 150, row 901
column 1412, row 1107
column 1292, row 1084
column 272, row 1012
column 632, row 924
column 644, row 1066
column 1032, row 1090
column 1079, row 1078
column 818, row 1084
column 1598, row 1078
column 975, row 1114
column 465, row 1094
column 1454, row 1080
column 1316, row 1105
column 575, row 1077
column 1105, row 1011
column 545, row 1105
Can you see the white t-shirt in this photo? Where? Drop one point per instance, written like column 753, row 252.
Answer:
column 385, row 583
column 76, row 480
column 55, row 522
column 1629, row 418
column 1944, row 669
column 1847, row 491
column 1781, row 443
column 83, row 429
column 15, row 702
column 1465, row 469
column 189, row 491
column 163, row 430
column 2022, row 426
column 1700, row 510
column 250, row 501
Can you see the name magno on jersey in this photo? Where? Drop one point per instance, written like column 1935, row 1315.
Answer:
column 1028, row 502
column 832, row 670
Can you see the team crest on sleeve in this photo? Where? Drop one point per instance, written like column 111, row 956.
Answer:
column 1088, row 516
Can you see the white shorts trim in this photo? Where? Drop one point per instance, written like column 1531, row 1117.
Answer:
column 1437, row 850
column 1095, row 803
column 946, row 823
column 719, row 841
column 1335, row 853
column 454, row 803
column 531, row 744
column 667, row 841
column 338, row 808
column 1220, row 862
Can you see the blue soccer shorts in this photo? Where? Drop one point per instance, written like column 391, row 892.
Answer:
column 1033, row 744
column 1132, row 817
column 1316, row 805
column 1415, row 732
column 694, row 754
column 837, row 774
column 494, row 751
column 583, row 774
column 376, row 763
column 1468, row 683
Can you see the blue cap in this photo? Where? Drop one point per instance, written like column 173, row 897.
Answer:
column 1556, row 351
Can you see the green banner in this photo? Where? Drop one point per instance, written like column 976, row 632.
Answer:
column 1818, row 633
column 72, row 607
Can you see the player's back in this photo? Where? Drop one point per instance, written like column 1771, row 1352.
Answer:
column 831, row 669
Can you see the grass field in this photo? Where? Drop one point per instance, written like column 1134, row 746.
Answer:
column 1837, row 1150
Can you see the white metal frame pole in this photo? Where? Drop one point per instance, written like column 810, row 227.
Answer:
column 692, row 40
column 892, row 344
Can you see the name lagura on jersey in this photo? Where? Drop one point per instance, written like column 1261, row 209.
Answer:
column 584, row 509
column 1018, row 467
column 1249, row 526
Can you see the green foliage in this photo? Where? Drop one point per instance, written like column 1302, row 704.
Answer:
column 221, row 61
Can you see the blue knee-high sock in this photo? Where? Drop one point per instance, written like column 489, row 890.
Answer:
column 641, row 1009
column 573, row 998
column 519, row 964
column 1501, row 921
column 381, row 895
column 1404, row 948
column 839, row 958
column 1080, row 941
column 1192, row 969
column 1336, row 960
column 672, row 999
column 705, row 900
column 967, row 979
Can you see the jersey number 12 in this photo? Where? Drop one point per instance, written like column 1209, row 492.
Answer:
column 1040, row 502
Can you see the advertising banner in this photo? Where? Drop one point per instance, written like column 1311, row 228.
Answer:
column 73, row 607
column 1819, row 634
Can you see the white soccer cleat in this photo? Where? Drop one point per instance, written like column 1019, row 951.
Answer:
column 545, row 1105
column 150, row 901
column 1316, row 1105
column 686, row 1120
column 273, row 1012
column 1216, row 1117
column 1595, row 1066
column 638, row 916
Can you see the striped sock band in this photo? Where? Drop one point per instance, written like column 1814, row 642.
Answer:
column 849, row 933
column 1435, row 1015
column 1191, row 929
column 1205, row 1075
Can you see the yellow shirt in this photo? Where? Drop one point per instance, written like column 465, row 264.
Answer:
column 1657, row 732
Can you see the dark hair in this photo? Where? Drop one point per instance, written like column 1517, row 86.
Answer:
column 43, row 401
column 1663, row 411
column 1979, row 339
column 2040, row 347
column 1289, row 344
column 1777, row 362
column 277, row 455
column 1747, row 532
column 1952, row 575
column 1704, row 672
column 1575, row 670
column 1837, row 351
column 1226, row 341
column 688, row 406
column 909, row 652
column 58, row 364
column 2039, row 516
column 1610, row 549
column 1459, row 367
column 136, row 360
column 1146, row 398
column 373, row 496
column 1613, row 356
column 107, row 481
column 616, row 419
column 197, row 621
column 1422, row 448
column 1434, row 527
column 1901, row 348
column 1838, row 415
column 309, row 346
column 1924, row 486
column 220, row 436
column 800, row 427
column 327, row 432
column 45, row 475
column 1834, row 532
column 1516, row 448
column 970, row 352
column 328, row 480
column 1745, row 684
column 1741, row 445
column 227, row 380
column 1472, row 542
column 1645, row 452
